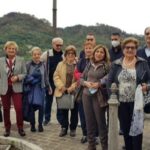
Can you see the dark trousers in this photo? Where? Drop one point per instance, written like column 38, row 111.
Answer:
column 82, row 119
column 17, row 101
column 95, row 119
column 126, row 112
column 40, row 114
column 73, row 118
column 48, row 106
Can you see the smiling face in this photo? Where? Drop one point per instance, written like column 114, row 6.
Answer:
column 11, row 51
column 36, row 54
column 88, row 49
column 130, row 50
column 99, row 54
column 70, row 56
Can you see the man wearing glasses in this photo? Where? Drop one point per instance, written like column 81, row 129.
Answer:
column 52, row 57
column 145, row 51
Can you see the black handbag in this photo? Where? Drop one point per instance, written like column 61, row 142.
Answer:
column 66, row 101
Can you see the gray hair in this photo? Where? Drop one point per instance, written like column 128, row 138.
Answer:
column 35, row 49
column 57, row 39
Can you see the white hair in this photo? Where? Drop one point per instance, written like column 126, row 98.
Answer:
column 36, row 49
column 57, row 39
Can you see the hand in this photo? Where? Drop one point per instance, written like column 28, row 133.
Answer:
column 70, row 89
column 88, row 84
column 50, row 91
column 63, row 89
column 95, row 85
column 14, row 79
column 144, row 87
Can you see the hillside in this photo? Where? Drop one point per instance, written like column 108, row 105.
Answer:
column 28, row 31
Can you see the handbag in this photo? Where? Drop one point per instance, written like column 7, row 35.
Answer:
column 147, row 103
column 66, row 101
column 78, row 94
column 79, row 90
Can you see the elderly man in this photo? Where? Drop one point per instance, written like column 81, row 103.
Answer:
column 52, row 57
column 145, row 51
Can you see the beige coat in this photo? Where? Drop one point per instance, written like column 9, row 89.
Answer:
column 60, row 79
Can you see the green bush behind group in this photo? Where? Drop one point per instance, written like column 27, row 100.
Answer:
column 29, row 31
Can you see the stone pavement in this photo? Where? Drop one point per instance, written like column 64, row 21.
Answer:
column 49, row 139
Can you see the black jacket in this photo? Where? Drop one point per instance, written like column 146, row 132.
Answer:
column 142, row 72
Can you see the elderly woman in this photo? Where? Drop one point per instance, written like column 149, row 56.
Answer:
column 94, row 101
column 65, row 83
column 128, row 72
column 37, row 80
column 12, row 72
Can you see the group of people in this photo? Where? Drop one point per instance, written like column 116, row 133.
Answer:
column 54, row 73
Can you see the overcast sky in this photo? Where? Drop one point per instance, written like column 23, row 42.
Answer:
column 131, row 16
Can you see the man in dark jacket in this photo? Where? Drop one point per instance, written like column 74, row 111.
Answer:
column 145, row 51
column 52, row 57
column 115, row 51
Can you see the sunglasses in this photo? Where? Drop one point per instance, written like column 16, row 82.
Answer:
column 58, row 45
column 70, row 53
column 89, row 39
column 130, row 47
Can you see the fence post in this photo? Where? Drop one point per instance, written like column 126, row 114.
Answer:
column 113, row 119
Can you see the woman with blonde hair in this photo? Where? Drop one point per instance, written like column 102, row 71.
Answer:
column 12, row 73
column 37, row 80
column 94, row 101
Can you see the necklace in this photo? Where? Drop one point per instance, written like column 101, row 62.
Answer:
column 128, row 64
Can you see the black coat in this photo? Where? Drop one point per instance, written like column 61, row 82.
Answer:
column 142, row 72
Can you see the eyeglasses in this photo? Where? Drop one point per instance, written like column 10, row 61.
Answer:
column 130, row 47
column 70, row 53
column 147, row 33
column 58, row 45
column 89, row 39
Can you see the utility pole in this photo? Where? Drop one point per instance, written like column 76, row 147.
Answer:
column 55, row 17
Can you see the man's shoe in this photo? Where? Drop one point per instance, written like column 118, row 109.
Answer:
column 45, row 123
column 40, row 128
column 63, row 132
column 33, row 129
column 21, row 132
column 6, row 133
column 72, row 133
column 83, row 139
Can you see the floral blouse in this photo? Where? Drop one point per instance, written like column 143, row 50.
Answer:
column 127, row 85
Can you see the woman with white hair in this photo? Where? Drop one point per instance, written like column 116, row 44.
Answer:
column 37, row 80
